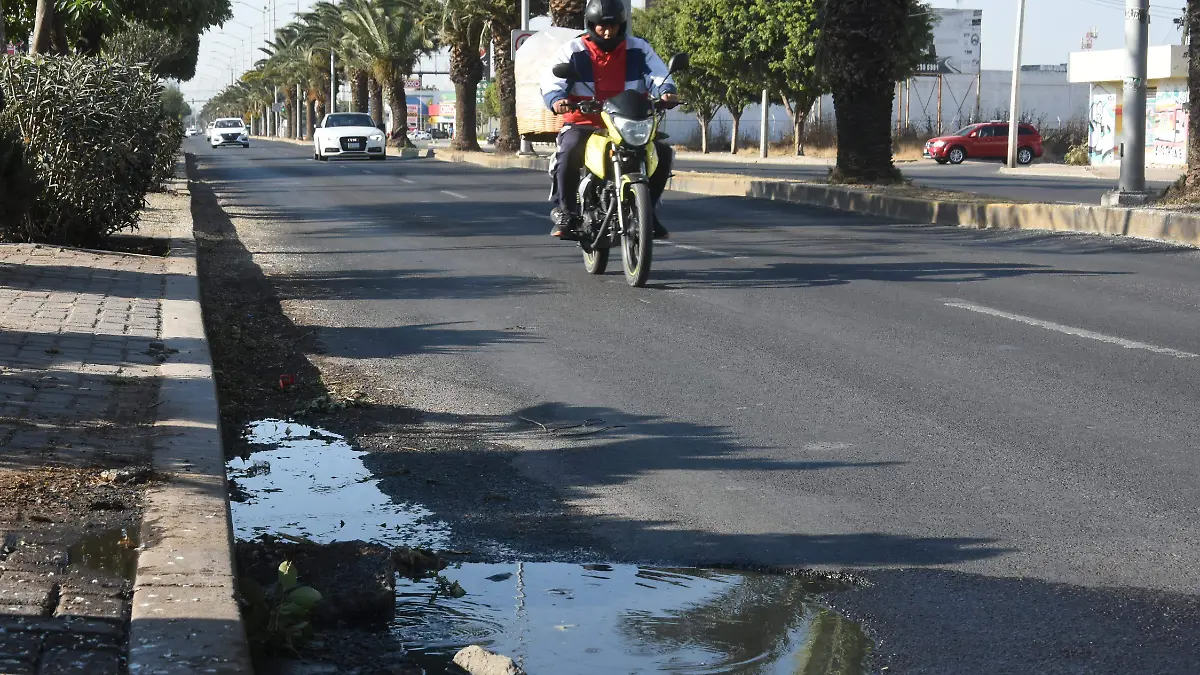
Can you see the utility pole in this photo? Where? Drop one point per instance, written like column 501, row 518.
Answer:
column 764, row 126
column 1132, row 188
column 1014, row 101
column 526, row 146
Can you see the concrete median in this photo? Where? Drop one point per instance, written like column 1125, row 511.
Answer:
column 1161, row 225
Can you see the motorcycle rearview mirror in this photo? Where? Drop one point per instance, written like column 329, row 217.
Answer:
column 565, row 71
column 679, row 63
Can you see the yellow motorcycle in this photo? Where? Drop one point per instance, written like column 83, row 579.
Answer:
column 614, row 193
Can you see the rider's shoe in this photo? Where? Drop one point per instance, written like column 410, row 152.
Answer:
column 660, row 232
column 564, row 225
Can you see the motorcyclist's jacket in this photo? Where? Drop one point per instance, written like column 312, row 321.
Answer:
column 632, row 65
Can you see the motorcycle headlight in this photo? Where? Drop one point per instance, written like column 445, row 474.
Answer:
column 635, row 132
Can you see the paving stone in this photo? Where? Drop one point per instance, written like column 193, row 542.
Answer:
column 13, row 666
column 79, row 662
column 91, row 606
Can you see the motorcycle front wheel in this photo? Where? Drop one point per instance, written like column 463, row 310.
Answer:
column 637, row 243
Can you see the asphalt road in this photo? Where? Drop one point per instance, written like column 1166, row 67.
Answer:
column 996, row 429
column 979, row 177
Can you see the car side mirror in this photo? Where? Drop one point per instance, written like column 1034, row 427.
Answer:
column 565, row 71
column 679, row 63
column 973, row 134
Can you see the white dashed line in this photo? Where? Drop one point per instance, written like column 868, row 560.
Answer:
column 697, row 249
column 531, row 214
column 368, row 171
column 410, row 182
column 1070, row 330
column 454, row 194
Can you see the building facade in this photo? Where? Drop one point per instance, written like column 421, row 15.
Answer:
column 1166, row 104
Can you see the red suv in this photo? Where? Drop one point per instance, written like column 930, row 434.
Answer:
column 987, row 140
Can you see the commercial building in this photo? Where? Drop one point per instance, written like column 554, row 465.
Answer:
column 1166, row 103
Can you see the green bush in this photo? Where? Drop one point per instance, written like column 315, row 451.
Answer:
column 16, row 183
column 95, row 140
column 1078, row 155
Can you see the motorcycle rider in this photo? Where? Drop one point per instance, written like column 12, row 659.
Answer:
column 609, row 61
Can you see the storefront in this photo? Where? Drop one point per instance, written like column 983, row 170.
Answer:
column 1166, row 103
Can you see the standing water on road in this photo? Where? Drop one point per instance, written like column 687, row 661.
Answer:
column 549, row 617
column 607, row 619
column 311, row 483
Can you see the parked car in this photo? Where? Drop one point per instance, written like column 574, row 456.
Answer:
column 348, row 135
column 438, row 134
column 987, row 140
column 418, row 135
column 229, row 131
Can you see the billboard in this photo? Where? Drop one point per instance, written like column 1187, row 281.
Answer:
column 956, row 42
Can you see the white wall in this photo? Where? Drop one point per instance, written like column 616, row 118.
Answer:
column 1047, row 96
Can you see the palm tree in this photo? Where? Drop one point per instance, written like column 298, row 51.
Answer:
column 567, row 13
column 1191, row 26
column 464, row 26
column 392, row 35
column 286, row 66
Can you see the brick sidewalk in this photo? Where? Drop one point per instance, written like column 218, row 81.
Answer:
column 78, row 388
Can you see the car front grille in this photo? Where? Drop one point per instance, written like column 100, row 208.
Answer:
column 230, row 137
column 354, row 144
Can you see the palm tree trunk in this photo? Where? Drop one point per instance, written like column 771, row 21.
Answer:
column 567, row 13
column 399, row 105
column 506, row 88
column 1192, row 26
column 376, row 97
column 61, row 46
column 864, row 153
column 43, row 27
column 360, row 94
column 293, row 110
column 310, row 105
column 466, row 133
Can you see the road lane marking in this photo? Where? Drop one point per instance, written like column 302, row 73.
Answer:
column 410, row 182
column 1070, row 330
column 368, row 171
column 531, row 214
column 454, row 194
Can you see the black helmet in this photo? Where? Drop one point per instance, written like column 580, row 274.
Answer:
column 605, row 12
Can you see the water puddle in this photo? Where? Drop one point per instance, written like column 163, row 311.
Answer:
column 113, row 551
column 602, row 619
column 311, row 483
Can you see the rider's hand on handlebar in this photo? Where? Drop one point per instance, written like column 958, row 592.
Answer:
column 669, row 100
column 562, row 107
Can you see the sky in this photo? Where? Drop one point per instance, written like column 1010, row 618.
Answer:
column 1053, row 29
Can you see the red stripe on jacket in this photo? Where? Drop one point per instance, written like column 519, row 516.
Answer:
column 608, row 69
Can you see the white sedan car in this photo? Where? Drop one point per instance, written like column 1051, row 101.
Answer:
column 348, row 135
column 229, row 131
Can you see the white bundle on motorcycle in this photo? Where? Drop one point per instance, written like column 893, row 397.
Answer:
column 533, row 61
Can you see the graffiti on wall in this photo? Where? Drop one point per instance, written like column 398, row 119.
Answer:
column 1102, row 128
column 1166, row 128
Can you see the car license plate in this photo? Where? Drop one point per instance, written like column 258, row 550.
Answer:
column 354, row 146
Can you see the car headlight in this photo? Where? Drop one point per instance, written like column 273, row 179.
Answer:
column 635, row 132
column 377, row 138
column 938, row 144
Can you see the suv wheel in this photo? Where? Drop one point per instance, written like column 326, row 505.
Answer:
column 1024, row 156
column 957, row 155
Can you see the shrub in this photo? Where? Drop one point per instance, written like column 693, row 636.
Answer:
column 94, row 140
column 1077, row 155
column 16, row 183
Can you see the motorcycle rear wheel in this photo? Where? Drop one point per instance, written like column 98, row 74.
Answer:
column 637, row 243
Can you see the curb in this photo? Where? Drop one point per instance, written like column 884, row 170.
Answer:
column 185, row 616
column 1166, row 226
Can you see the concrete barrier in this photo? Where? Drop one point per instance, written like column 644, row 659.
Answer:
column 1167, row 226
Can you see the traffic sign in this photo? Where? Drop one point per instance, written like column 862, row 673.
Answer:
column 519, row 37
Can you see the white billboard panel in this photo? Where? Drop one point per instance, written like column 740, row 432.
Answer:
column 956, row 41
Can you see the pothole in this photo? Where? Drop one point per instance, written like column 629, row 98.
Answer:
column 604, row 619
column 550, row 617
column 113, row 551
column 310, row 483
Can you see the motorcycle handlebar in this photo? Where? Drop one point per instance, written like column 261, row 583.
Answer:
column 594, row 107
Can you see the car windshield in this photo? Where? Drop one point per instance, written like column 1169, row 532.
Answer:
column 356, row 120
column 964, row 131
column 229, row 124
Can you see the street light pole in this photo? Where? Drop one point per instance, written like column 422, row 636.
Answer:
column 1132, row 188
column 764, row 126
column 1014, row 101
